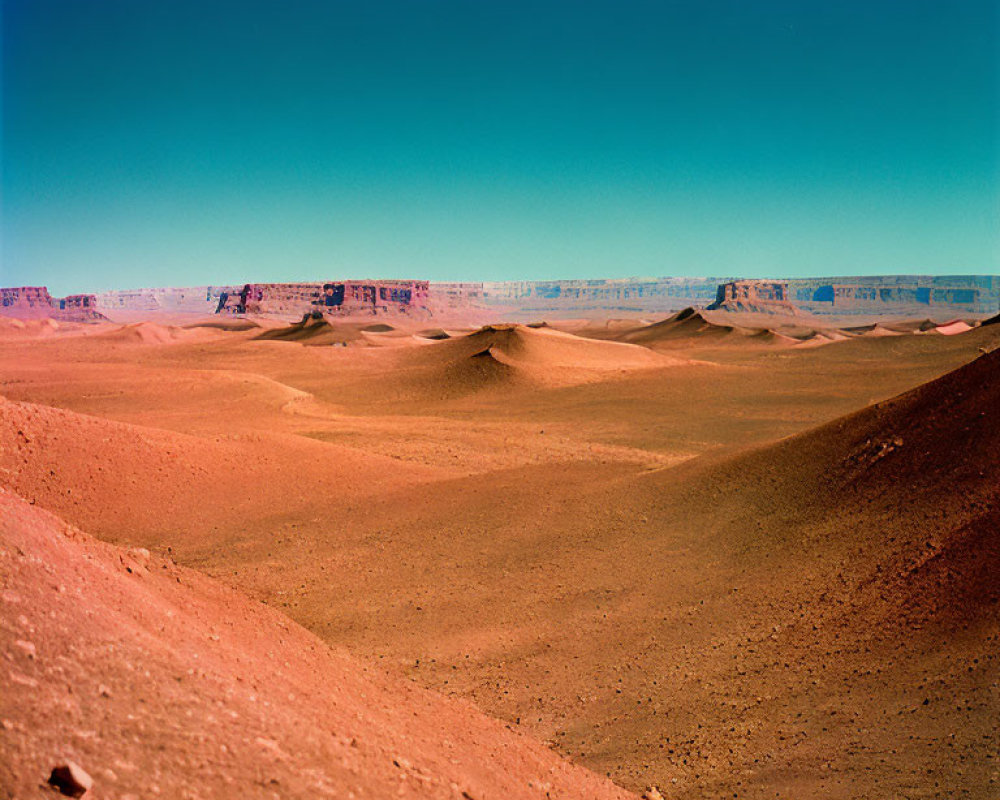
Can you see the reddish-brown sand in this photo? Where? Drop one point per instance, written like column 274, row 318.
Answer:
column 718, row 563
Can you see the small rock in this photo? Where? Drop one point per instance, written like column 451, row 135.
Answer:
column 71, row 780
column 652, row 793
column 103, row 690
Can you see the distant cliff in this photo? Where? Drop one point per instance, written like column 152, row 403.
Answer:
column 898, row 294
column 35, row 302
column 509, row 298
column 895, row 295
column 756, row 296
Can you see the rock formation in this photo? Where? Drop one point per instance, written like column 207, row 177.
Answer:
column 899, row 295
column 759, row 296
column 890, row 295
column 35, row 302
column 912, row 296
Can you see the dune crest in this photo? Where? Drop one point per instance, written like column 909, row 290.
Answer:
column 518, row 356
column 152, row 333
column 692, row 326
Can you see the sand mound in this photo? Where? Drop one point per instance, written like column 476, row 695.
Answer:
column 233, row 326
column 920, row 325
column 952, row 328
column 516, row 356
column 148, row 333
column 126, row 478
column 13, row 328
column 873, row 330
column 692, row 326
column 771, row 337
column 612, row 328
column 535, row 349
column 437, row 334
column 685, row 324
column 313, row 331
column 147, row 674
column 883, row 481
column 908, row 455
column 873, row 572
column 379, row 327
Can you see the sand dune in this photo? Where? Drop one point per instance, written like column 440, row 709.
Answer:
column 769, row 591
column 912, row 325
column 232, row 326
column 758, row 621
column 771, row 337
column 874, row 330
column 322, row 331
column 819, row 338
column 434, row 333
column 692, row 327
column 311, row 330
column 151, row 333
column 46, row 327
column 601, row 328
column 682, row 325
column 954, row 327
column 511, row 357
column 906, row 454
column 180, row 687
column 518, row 355
column 545, row 347
column 124, row 479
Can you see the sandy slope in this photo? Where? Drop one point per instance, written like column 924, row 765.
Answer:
column 162, row 486
column 160, row 682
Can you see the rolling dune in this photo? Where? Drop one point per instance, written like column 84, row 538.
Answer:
column 635, row 568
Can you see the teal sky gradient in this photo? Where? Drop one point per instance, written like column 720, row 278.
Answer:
column 179, row 143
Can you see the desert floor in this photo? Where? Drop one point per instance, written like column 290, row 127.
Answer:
column 722, row 563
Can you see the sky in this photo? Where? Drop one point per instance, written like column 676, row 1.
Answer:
column 191, row 143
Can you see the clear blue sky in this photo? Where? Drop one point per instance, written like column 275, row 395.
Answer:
column 179, row 142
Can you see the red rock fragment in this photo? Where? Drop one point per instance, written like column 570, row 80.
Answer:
column 71, row 779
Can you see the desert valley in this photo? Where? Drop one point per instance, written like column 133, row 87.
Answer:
column 704, row 554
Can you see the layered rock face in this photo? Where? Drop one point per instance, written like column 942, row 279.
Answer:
column 336, row 297
column 199, row 299
column 520, row 298
column 280, row 299
column 891, row 295
column 595, row 297
column 898, row 294
column 758, row 296
column 25, row 301
column 35, row 302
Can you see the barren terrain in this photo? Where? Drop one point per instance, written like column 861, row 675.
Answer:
column 715, row 557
